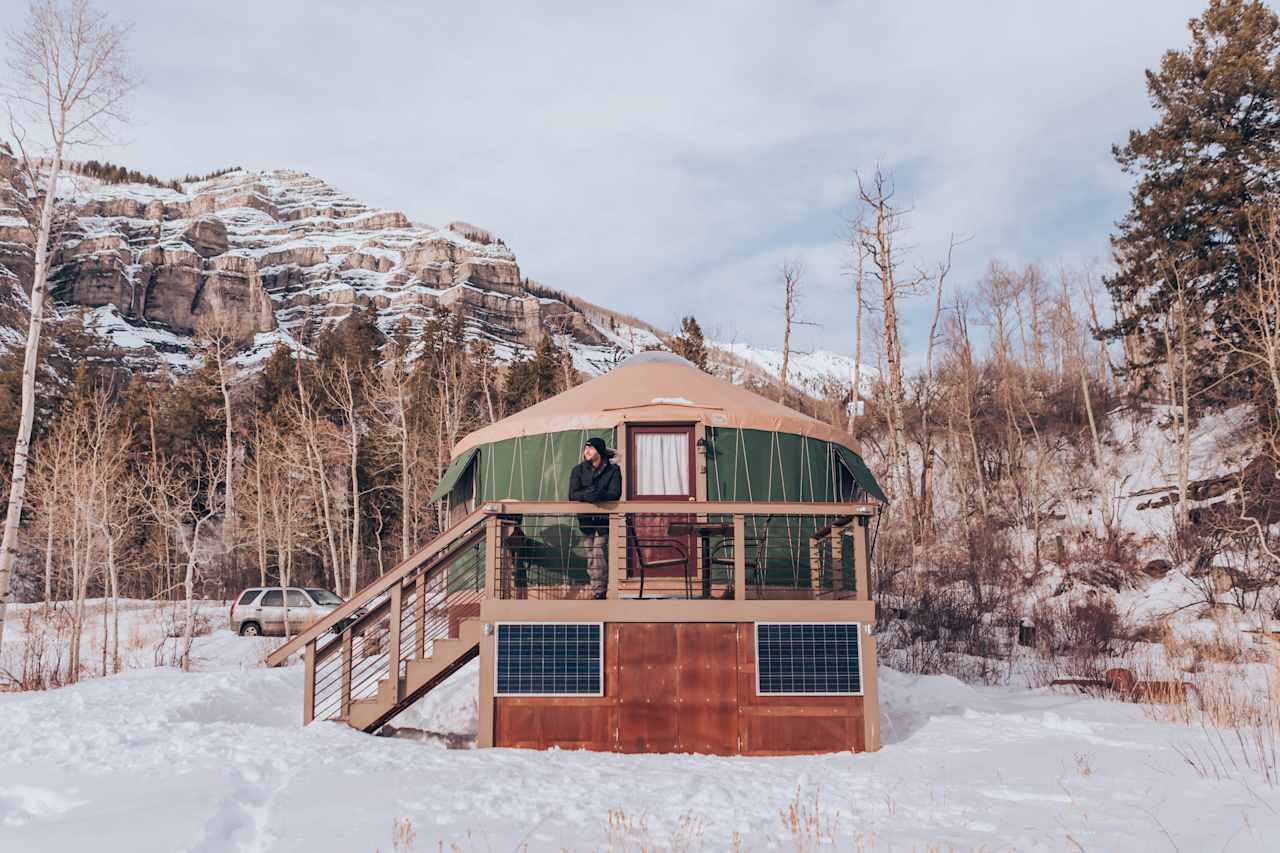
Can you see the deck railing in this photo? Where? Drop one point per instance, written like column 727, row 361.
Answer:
column 682, row 550
column 518, row 550
column 426, row 607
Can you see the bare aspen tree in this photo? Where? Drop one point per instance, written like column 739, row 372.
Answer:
column 119, row 506
column 67, row 83
column 962, row 348
column 1000, row 290
column 88, row 454
column 859, row 275
column 149, row 475
column 927, row 396
column 57, row 480
column 792, row 271
column 878, row 237
column 482, row 355
column 567, row 372
column 1259, row 350
column 216, row 343
column 50, row 463
column 186, row 497
column 391, row 410
column 311, row 428
column 1261, row 305
column 879, row 231
column 289, row 518
column 341, row 388
column 1076, row 336
column 256, row 460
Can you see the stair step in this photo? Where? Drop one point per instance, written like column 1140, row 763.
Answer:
column 419, row 672
column 362, row 712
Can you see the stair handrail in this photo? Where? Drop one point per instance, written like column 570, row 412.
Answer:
column 440, row 544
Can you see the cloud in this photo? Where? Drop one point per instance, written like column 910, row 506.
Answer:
column 662, row 159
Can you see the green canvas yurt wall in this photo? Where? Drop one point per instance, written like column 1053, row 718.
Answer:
column 757, row 465
column 524, row 468
column 742, row 465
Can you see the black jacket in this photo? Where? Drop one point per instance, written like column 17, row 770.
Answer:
column 594, row 485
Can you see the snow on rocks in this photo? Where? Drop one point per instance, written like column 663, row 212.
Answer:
column 269, row 253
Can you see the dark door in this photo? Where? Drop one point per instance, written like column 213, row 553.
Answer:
column 660, row 467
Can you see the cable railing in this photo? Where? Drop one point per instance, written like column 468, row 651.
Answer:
column 682, row 551
column 548, row 557
column 396, row 628
column 796, row 557
column 516, row 551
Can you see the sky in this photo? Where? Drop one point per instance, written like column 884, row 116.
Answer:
column 663, row 159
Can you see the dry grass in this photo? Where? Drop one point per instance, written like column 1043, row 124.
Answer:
column 808, row 825
column 1226, row 645
column 1238, row 723
column 631, row 833
column 403, row 835
column 40, row 664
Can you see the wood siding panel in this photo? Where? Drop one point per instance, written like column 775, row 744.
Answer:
column 776, row 734
column 785, row 725
column 647, row 682
column 540, row 724
column 682, row 687
column 707, row 688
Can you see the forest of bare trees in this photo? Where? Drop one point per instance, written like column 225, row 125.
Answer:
column 995, row 415
column 313, row 470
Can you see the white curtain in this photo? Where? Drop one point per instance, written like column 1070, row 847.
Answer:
column 662, row 463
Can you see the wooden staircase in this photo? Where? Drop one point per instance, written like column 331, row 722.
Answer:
column 447, row 656
column 401, row 635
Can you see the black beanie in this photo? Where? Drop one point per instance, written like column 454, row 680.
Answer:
column 599, row 445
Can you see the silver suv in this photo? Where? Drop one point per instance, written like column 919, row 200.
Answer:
column 260, row 611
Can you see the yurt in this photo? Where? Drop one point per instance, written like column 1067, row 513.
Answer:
column 715, row 601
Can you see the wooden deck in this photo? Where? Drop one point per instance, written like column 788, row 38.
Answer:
column 679, row 664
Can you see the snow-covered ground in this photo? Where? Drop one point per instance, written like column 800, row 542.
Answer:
column 216, row 760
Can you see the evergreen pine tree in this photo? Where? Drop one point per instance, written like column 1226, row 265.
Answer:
column 1204, row 170
column 690, row 344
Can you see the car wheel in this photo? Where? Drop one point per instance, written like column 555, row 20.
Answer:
column 251, row 629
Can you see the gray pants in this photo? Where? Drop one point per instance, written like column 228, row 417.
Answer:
column 597, row 561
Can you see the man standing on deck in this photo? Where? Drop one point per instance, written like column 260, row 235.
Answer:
column 596, row 480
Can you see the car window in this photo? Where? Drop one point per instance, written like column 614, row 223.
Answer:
column 249, row 595
column 273, row 598
column 297, row 599
column 323, row 596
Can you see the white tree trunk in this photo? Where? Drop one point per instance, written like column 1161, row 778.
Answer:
column 22, row 444
column 355, row 507
column 407, row 509
column 114, row 577
column 229, row 515
column 188, row 627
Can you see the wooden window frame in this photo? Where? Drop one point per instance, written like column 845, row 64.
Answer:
column 663, row 427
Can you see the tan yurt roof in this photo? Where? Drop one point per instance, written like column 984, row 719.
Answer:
column 655, row 386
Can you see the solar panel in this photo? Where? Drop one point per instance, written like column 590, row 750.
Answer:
column 816, row 659
column 538, row 659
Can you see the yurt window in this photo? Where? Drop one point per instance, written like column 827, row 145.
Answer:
column 661, row 461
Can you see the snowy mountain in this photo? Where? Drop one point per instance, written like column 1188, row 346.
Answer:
column 269, row 258
column 266, row 257
column 813, row 373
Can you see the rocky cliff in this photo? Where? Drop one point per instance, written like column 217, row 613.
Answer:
column 261, row 255
column 264, row 256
